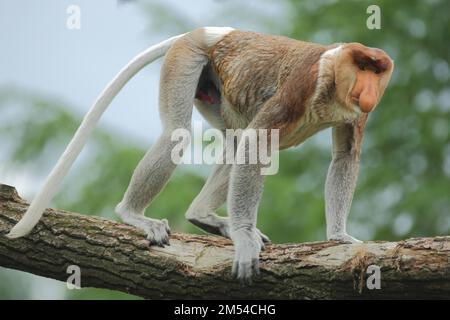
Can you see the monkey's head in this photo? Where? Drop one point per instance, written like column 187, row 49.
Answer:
column 361, row 76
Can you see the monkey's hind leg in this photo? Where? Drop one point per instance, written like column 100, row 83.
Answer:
column 148, row 179
column 201, row 212
column 179, row 78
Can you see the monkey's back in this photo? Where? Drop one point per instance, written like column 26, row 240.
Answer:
column 252, row 67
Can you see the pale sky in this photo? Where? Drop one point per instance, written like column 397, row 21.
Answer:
column 39, row 52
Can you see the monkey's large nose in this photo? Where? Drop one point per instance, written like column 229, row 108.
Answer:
column 367, row 100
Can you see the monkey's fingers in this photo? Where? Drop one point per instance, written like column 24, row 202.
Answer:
column 160, row 243
column 243, row 271
column 245, row 274
column 158, row 233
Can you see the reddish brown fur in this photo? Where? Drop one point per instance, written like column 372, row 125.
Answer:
column 300, row 84
column 254, row 68
column 275, row 78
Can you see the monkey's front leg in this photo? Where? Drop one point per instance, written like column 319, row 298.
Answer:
column 342, row 176
column 339, row 188
column 244, row 194
column 214, row 193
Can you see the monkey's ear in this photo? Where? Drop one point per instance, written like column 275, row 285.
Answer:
column 370, row 58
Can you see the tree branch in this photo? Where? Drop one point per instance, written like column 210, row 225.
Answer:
column 116, row 256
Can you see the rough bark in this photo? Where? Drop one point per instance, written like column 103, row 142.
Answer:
column 116, row 256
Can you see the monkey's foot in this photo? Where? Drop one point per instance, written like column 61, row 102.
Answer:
column 157, row 231
column 344, row 238
column 247, row 246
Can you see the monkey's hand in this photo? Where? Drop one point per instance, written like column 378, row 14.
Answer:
column 247, row 246
column 344, row 238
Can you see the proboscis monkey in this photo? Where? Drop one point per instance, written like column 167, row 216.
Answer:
column 240, row 79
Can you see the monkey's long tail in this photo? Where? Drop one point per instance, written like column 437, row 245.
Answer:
column 42, row 199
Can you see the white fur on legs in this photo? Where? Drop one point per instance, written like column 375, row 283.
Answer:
column 339, row 187
column 247, row 247
column 244, row 194
column 157, row 230
column 148, row 179
column 213, row 194
column 178, row 82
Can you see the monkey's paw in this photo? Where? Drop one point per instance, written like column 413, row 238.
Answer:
column 247, row 246
column 344, row 238
column 157, row 231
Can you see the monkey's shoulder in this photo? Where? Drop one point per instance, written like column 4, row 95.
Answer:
column 242, row 44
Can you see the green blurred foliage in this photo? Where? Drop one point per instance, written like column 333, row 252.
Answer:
column 404, row 184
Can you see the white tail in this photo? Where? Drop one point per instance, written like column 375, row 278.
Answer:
column 42, row 199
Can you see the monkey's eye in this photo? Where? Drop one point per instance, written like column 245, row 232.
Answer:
column 361, row 67
column 377, row 71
